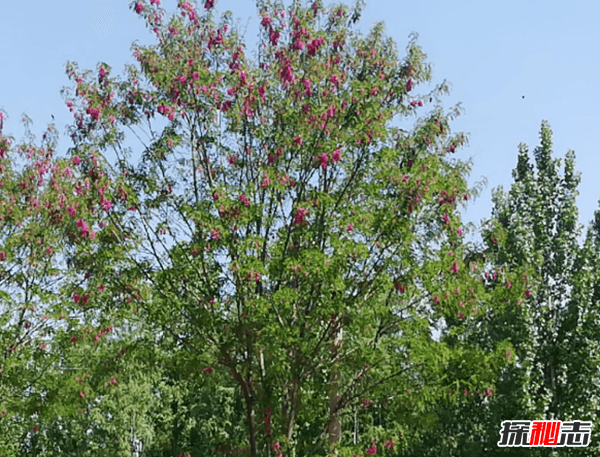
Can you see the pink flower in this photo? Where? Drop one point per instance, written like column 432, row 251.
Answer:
column 214, row 234
column 106, row 204
column 139, row 7
column 182, row 79
column 287, row 74
column 277, row 446
column 2, row 256
column 300, row 215
column 209, row 4
column 274, row 37
column 323, row 159
column 350, row 227
column 528, row 293
column 372, row 450
column 436, row 300
column 85, row 229
column 195, row 75
column 94, row 112
column 266, row 181
column 81, row 395
column 155, row 2
column 244, row 200
column 409, row 86
column 76, row 160
column 454, row 268
column 266, row 22
column 336, row 155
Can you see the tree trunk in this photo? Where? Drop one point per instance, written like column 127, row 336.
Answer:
column 335, row 423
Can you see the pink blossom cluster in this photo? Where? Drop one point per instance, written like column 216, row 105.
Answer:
column 85, row 229
column 300, row 216
column 323, row 160
column 314, row 45
column 191, row 12
column 244, row 200
column 168, row 111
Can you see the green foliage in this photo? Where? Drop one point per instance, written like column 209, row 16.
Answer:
column 277, row 267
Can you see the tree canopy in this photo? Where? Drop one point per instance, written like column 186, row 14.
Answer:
column 248, row 255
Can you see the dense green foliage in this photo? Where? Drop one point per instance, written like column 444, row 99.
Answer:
column 274, row 267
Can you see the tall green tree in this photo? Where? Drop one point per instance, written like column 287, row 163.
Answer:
column 554, row 326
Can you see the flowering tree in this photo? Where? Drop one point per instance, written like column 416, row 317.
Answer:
column 277, row 229
column 35, row 194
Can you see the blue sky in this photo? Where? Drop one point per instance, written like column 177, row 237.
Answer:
column 492, row 53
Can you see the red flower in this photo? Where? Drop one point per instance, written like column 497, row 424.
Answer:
column 209, row 4
column 300, row 215
column 323, row 159
column 139, row 7
column 85, row 229
column 2, row 256
column 277, row 446
column 528, row 293
column 336, row 155
column 244, row 200
column 454, row 268
column 372, row 450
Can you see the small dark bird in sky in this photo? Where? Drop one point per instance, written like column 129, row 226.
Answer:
column 523, row 96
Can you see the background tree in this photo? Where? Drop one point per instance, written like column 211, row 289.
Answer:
column 553, row 326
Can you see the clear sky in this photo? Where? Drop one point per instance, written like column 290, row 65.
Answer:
column 493, row 53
